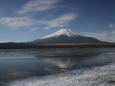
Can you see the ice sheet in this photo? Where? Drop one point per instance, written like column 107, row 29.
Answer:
column 98, row 76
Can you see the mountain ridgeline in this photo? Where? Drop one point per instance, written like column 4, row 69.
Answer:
column 65, row 36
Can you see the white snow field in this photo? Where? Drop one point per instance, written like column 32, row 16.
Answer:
column 65, row 31
column 98, row 76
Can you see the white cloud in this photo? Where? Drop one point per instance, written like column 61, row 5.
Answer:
column 103, row 36
column 112, row 26
column 61, row 21
column 113, row 32
column 37, row 5
column 16, row 21
column 34, row 29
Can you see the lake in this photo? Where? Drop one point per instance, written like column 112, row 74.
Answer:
column 23, row 63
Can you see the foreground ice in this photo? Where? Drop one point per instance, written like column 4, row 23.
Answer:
column 98, row 76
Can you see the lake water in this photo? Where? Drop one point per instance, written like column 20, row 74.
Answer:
column 22, row 63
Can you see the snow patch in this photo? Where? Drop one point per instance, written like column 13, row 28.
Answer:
column 66, row 32
column 98, row 76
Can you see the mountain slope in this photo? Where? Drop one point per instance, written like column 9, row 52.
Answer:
column 65, row 36
column 66, row 32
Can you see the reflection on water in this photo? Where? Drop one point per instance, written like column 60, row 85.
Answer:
column 62, row 62
column 15, row 64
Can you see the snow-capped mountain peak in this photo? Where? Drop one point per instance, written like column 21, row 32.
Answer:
column 65, row 36
column 66, row 32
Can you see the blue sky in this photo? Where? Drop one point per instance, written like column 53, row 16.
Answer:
column 27, row 20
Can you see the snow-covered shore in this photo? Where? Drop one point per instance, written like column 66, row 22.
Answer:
column 98, row 76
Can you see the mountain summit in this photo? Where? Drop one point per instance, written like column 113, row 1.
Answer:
column 66, row 32
column 65, row 36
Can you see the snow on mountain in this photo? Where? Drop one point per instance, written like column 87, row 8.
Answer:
column 65, row 36
column 66, row 32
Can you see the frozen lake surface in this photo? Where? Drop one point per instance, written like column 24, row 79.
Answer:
column 98, row 76
column 84, row 64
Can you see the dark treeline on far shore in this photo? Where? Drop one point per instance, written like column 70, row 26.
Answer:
column 77, row 45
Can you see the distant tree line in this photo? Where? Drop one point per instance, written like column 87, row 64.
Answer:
column 27, row 46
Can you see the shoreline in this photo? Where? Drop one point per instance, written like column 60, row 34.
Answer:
column 57, row 45
column 101, row 76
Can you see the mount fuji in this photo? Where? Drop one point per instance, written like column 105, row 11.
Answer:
column 65, row 36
